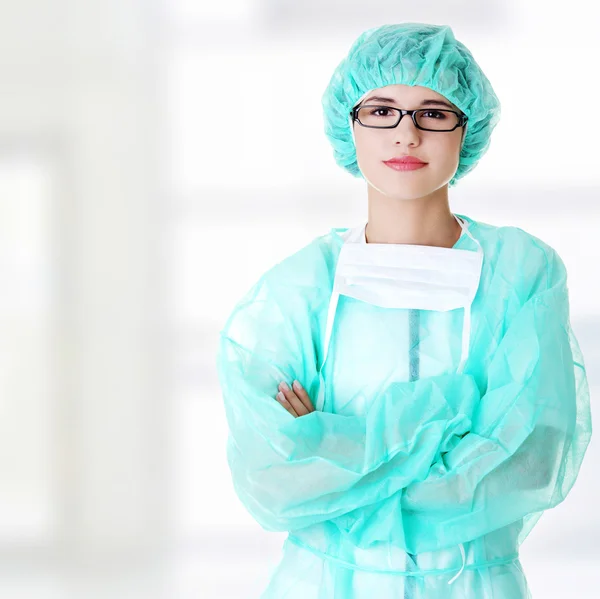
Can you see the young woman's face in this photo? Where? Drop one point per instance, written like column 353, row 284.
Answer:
column 440, row 150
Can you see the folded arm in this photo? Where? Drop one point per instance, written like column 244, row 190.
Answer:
column 292, row 472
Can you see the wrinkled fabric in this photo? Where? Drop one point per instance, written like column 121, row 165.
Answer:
column 420, row 54
column 400, row 485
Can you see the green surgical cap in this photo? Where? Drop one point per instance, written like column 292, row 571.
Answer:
column 411, row 54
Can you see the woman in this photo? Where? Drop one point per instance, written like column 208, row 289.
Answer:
column 440, row 400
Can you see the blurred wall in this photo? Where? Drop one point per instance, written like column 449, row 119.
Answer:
column 83, row 449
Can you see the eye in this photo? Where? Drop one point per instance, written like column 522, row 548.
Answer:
column 438, row 115
column 381, row 109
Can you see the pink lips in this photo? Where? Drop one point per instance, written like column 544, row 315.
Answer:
column 405, row 165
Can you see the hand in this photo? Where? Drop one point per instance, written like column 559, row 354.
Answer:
column 295, row 400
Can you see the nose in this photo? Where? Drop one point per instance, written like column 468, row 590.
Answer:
column 406, row 132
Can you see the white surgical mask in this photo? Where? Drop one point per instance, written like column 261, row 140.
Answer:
column 405, row 276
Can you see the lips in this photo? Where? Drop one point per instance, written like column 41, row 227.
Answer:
column 406, row 163
column 405, row 160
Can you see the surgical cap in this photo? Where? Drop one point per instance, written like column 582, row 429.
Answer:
column 411, row 54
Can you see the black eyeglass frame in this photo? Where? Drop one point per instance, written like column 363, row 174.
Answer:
column 463, row 118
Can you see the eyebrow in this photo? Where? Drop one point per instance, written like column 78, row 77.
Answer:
column 423, row 103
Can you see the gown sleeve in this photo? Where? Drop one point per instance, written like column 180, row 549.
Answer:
column 292, row 472
column 528, row 437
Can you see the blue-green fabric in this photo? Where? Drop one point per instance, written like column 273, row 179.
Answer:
column 382, row 489
column 411, row 54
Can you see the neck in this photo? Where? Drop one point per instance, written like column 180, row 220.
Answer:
column 420, row 221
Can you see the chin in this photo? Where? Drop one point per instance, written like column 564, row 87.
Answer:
column 404, row 190
column 406, row 195
column 408, row 185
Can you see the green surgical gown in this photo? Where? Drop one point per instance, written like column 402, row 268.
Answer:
column 399, row 487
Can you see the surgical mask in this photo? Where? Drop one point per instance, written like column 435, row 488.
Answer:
column 405, row 276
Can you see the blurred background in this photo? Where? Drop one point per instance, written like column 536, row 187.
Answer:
column 145, row 185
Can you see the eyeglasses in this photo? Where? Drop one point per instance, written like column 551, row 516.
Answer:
column 427, row 119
